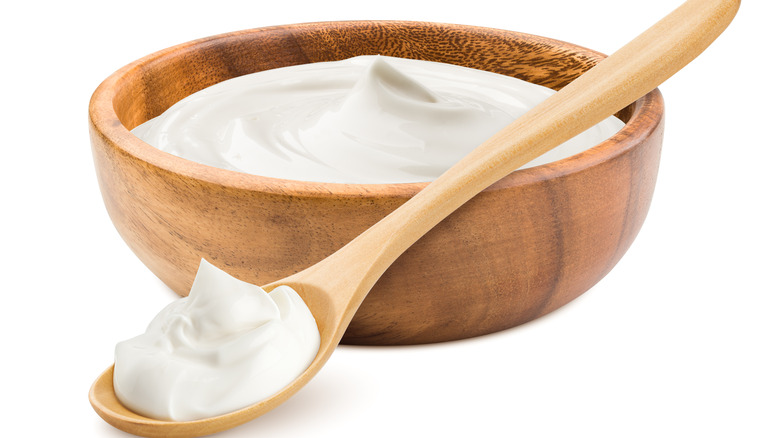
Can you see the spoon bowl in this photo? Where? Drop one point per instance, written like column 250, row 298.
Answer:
column 335, row 287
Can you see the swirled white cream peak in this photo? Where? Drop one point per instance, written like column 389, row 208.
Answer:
column 368, row 119
column 227, row 345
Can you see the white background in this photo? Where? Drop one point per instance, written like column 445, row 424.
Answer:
column 680, row 339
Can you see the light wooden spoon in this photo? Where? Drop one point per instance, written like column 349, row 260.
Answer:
column 334, row 288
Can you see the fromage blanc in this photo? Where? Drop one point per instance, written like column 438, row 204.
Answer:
column 369, row 119
column 228, row 345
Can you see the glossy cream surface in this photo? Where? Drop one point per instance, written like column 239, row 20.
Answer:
column 369, row 119
column 228, row 345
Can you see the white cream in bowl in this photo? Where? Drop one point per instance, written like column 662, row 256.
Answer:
column 368, row 119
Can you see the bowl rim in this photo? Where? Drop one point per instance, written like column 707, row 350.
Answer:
column 104, row 122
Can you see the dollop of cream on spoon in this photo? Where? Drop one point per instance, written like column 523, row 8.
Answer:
column 228, row 345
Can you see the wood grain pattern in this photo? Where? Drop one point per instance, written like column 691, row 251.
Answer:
column 522, row 248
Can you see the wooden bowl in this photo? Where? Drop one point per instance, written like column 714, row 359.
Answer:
column 522, row 248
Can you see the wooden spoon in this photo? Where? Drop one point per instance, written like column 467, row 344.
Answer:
column 334, row 288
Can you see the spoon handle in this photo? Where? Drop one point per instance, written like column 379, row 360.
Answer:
column 631, row 72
